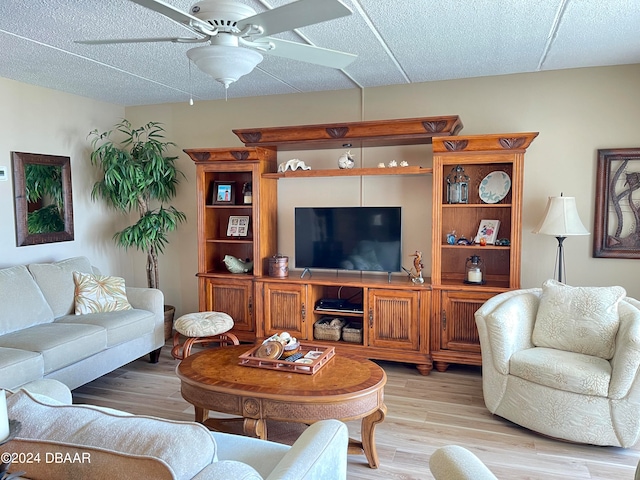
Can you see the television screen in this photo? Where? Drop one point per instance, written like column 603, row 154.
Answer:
column 348, row 238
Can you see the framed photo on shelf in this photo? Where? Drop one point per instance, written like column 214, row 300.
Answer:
column 223, row 193
column 238, row 226
column 487, row 232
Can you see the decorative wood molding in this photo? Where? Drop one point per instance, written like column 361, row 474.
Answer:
column 239, row 154
column 244, row 154
column 250, row 137
column 456, row 145
column 337, row 132
column 511, row 143
column 402, row 131
column 484, row 143
column 434, row 126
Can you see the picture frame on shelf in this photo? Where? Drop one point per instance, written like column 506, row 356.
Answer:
column 224, row 193
column 616, row 221
column 487, row 232
column 238, row 226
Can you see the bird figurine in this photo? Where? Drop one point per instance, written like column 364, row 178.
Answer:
column 346, row 160
column 235, row 265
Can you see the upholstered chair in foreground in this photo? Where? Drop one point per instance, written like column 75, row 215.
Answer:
column 564, row 361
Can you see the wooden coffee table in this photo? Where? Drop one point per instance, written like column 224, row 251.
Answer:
column 346, row 388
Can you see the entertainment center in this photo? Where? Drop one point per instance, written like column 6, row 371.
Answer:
column 400, row 320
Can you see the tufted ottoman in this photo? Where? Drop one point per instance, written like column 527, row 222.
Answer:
column 202, row 327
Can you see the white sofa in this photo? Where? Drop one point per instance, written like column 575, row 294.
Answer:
column 42, row 337
column 82, row 441
column 564, row 361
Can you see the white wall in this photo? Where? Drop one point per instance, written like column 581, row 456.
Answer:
column 576, row 112
column 39, row 120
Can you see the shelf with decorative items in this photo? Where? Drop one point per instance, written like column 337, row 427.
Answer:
column 477, row 218
column 232, row 248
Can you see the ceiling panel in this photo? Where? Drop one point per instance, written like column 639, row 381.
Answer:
column 396, row 42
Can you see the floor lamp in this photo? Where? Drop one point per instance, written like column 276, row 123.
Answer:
column 561, row 220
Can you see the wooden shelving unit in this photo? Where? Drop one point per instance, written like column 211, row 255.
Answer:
column 401, row 321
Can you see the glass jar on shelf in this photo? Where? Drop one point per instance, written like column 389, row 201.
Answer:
column 474, row 270
column 457, row 186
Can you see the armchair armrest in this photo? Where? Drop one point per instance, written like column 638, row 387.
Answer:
column 505, row 323
column 457, row 463
column 625, row 363
column 320, row 453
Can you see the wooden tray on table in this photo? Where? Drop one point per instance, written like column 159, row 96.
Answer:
column 320, row 356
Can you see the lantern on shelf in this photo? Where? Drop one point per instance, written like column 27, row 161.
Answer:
column 474, row 270
column 457, row 186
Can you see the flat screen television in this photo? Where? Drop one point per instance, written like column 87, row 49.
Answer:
column 348, row 238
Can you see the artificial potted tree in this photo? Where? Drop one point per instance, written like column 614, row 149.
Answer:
column 140, row 176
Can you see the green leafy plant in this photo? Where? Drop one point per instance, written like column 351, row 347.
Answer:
column 138, row 172
column 43, row 189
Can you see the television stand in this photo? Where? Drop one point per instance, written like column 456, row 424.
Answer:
column 383, row 314
column 305, row 271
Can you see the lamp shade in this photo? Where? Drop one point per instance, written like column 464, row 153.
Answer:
column 561, row 218
column 224, row 63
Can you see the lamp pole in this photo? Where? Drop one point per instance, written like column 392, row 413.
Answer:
column 560, row 259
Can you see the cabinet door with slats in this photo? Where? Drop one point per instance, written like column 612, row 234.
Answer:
column 392, row 317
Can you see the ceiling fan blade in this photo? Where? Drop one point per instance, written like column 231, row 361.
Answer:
column 179, row 16
column 309, row 53
column 296, row 14
column 142, row 40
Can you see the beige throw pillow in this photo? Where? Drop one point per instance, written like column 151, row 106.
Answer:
column 578, row 319
column 99, row 293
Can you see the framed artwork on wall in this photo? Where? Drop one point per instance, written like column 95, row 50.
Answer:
column 616, row 231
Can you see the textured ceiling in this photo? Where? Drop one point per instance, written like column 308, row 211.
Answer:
column 397, row 41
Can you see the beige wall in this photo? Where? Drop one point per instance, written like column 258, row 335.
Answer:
column 39, row 120
column 576, row 112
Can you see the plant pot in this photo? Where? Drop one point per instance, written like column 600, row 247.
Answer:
column 169, row 312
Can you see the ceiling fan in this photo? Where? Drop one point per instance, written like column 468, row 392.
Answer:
column 236, row 35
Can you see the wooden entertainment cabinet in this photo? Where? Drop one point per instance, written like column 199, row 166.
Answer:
column 401, row 321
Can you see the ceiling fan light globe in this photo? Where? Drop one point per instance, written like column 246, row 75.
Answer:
column 224, row 63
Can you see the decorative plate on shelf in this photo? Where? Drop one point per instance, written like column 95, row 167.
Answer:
column 494, row 187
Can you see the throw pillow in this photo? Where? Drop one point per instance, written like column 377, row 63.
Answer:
column 578, row 319
column 99, row 293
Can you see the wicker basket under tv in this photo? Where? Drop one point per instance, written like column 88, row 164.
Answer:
column 352, row 332
column 323, row 330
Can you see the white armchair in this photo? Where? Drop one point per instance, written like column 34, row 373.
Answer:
column 564, row 361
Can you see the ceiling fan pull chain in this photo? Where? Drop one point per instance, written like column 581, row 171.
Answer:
column 190, row 85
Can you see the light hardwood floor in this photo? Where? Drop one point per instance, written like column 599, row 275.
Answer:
column 424, row 413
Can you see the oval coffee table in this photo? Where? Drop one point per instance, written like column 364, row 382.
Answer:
column 346, row 388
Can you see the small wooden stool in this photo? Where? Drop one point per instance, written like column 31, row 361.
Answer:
column 202, row 327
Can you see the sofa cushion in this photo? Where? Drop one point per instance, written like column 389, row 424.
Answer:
column 567, row 371
column 19, row 366
column 120, row 446
column 99, row 293
column 59, row 344
column 22, row 304
column 578, row 319
column 56, row 282
column 121, row 326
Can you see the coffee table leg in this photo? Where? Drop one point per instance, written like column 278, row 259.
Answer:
column 368, row 435
column 255, row 427
column 201, row 414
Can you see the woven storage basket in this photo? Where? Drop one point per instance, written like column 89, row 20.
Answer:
column 324, row 330
column 352, row 332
